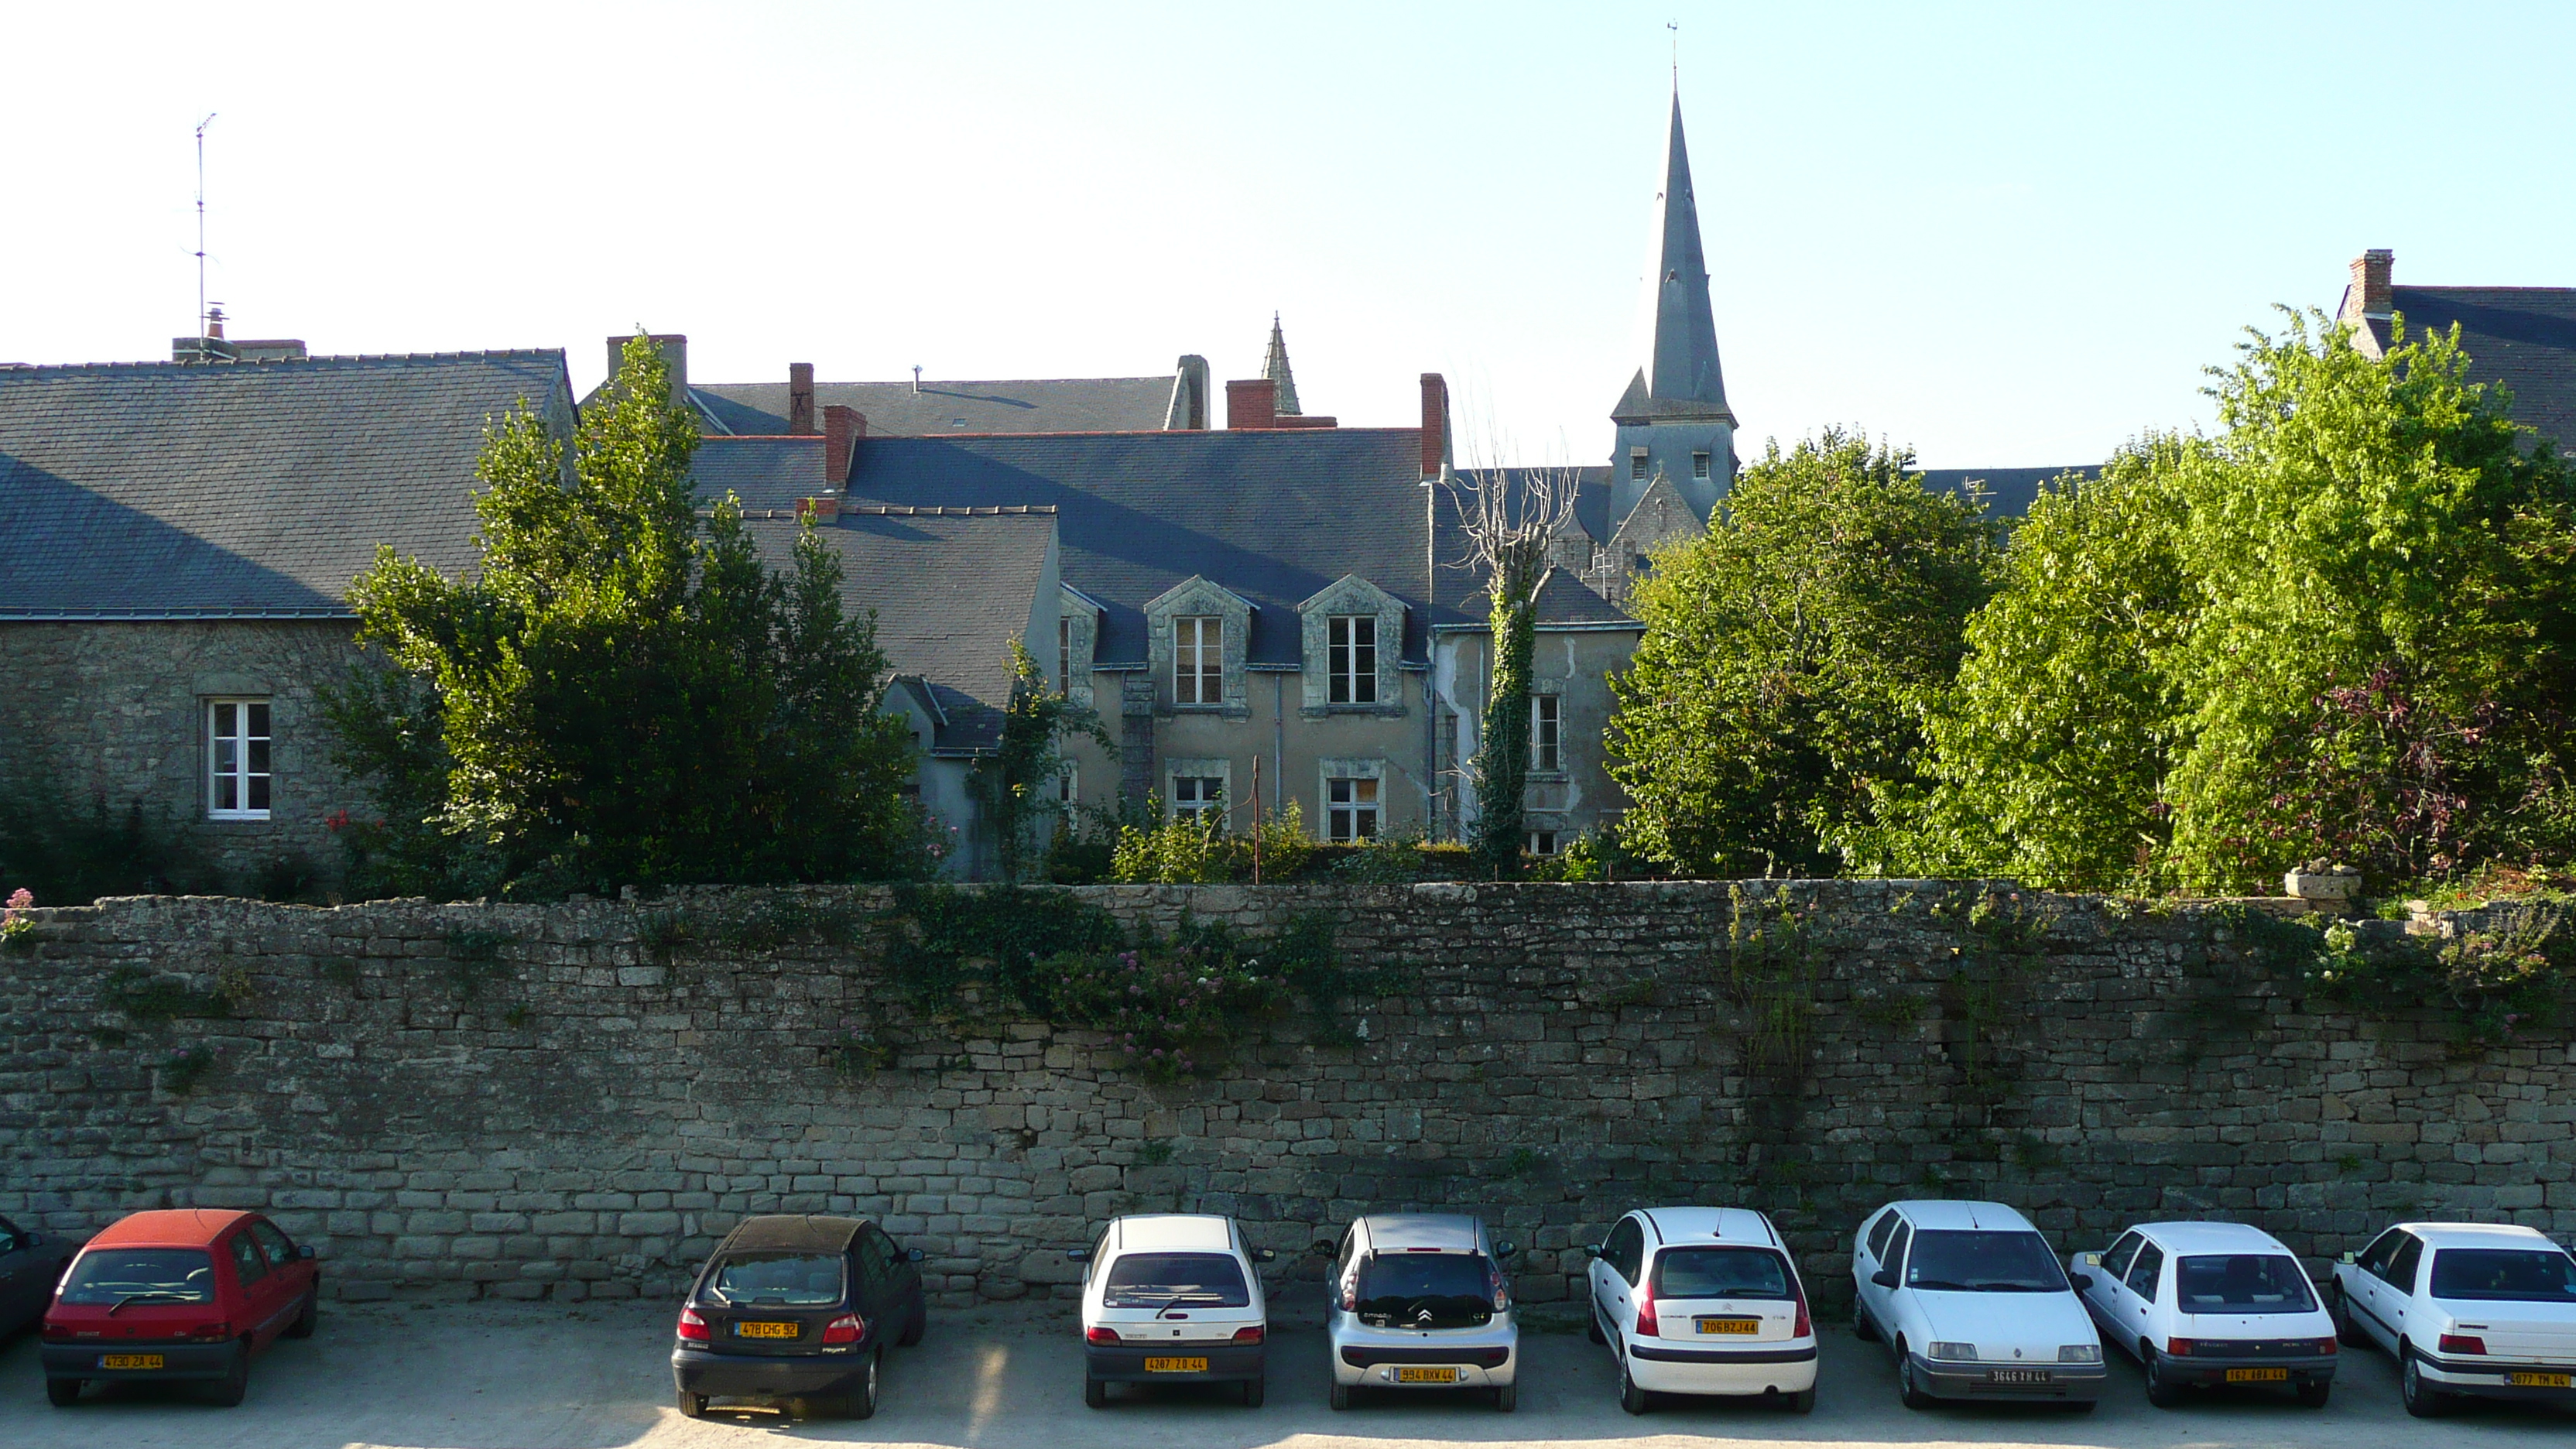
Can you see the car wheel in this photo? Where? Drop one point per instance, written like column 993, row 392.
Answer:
column 2162, row 1391
column 1631, row 1397
column 2314, row 1396
column 1095, row 1394
column 2345, row 1329
column 861, row 1402
column 1862, row 1328
column 1254, row 1391
column 1803, row 1402
column 692, row 1406
column 1341, row 1395
column 1907, row 1392
column 1508, row 1397
column 2422, row 1399
column 308, row 1316
column 1592, row 1327
column 236, row 1379
column 62, row 1392
column 919, row 1325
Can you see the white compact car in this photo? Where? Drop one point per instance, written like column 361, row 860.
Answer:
column 2467, row 1308
column 2210, row 1304
column 1173, row 1298
column 1697, row 1300
column 1418, row 1301
column 1974, row 1306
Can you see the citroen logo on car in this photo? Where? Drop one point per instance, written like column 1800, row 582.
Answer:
column 1422, row 1317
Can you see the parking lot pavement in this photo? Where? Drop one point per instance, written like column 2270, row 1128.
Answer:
column 500, row 1376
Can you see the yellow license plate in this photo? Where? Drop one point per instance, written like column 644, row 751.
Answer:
column 1176, row 1365
column 765, row 1330
column 2540, row 1381
column 2258, row 1376
column 1730, row 1325
column 1426, row 1376
column 130, row 1361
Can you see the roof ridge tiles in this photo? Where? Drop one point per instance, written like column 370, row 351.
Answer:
column 1341, row 432
column 218, row 369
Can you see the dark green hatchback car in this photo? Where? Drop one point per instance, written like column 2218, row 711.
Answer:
column 798, row 1310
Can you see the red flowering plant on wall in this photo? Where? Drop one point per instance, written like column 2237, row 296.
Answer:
column 1169, row 1010
column 15, row 928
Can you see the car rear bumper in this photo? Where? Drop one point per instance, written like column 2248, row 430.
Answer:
column 759, row 1376
column 2212, row 1372
column 2493, row 1380
column 1666, row 1369
column 1978, row 1381
column 1490, row 1364
column 178, row 1361
column 1125, row 1363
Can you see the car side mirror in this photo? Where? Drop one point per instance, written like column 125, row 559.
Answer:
column 912, row 1255
column 1592, row 1250
column 1264, row 1255
column 304, row 1251
column 1884, row 1277
column 1505, row 1249
column 1321, row 1249
column 1079, row 1255
column 2083, row 1281
column 2347, row 1259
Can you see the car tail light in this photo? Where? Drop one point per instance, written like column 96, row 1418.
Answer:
column 1806, row 1325
column 2178, row 1347
column 1502, row 1290
column 215, row 1330
column 848, row 1328
column 1351, row 1294
column 1100, row 1335
column 56, row 1332
column 2326, row 1345
column 692, row 1327
column 1648, row 1326
column 1252, row 1334
column 2463, row 1343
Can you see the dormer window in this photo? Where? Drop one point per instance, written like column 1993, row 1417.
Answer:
column 1351, row 658
column 1198, row 659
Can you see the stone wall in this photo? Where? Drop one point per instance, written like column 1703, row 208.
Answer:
column 575, row 1100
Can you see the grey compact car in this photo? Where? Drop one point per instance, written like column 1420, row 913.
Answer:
column 1419, row 1301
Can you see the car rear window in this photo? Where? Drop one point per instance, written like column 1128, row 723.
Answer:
column 1983, row 1262
column 788, row 1279
column 2242, row 1283
column 2505, row 1275
column 141, row 1275
column 1157, row 1280
column 1427, row 1290
column 1721, row 1273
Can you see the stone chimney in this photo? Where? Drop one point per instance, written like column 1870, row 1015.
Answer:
column 674, row 348
column 1252, row 402
column 800, row 398
column 843, row 427
column 2373, row 292
column 1435, row 423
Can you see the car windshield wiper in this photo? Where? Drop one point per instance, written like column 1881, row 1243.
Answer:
column 160, row 1293
column 2009, row 1285
column 1940, row 1285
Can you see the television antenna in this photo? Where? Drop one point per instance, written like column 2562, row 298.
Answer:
column 201, row 221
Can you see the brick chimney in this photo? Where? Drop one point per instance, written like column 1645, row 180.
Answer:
column 1252, row 402
column 1435, row 423
column 800, row 398
column 2374, row 291
column 843, row 426
column 821, row 510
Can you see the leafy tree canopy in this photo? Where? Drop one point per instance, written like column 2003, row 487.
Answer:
column 1772, row 692
column 623, row 692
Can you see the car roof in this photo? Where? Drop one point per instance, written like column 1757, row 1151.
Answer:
column 1963, row 1215
column 169, row 1228
column 793, row 1232
column 1709, row 1225
column 1449, row 1232
column 2211, row 1237
column 1200, row 1232
column 2479, row 1235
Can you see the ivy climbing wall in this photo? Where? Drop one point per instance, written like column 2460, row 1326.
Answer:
column 575, row 1100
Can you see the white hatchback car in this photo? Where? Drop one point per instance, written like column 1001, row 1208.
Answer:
column 1418, row 1301
column 2468, row 1308
column 1974, row 1306
column 1173, row 1298
column 1698, row 1300
column 2211, row 1304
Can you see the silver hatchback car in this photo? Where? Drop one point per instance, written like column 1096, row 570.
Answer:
column 1419, row 1301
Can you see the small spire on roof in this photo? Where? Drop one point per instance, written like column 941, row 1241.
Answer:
column 1275, row 368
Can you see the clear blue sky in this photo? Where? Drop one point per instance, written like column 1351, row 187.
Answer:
column 2001, row 234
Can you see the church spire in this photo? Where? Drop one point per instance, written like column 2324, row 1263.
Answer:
column 1673, row 421
column 1684, row 366
column 1275, row 368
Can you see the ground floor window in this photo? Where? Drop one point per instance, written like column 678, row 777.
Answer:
column 1351, row 808
column 1068, row 784
column 237, row 745
column 1196, row 795
column 1542, row 842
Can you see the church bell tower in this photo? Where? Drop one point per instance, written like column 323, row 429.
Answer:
column 1673, row 420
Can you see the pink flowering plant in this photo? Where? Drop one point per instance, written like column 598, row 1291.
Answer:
column 15, row 929
column 1170, row 1010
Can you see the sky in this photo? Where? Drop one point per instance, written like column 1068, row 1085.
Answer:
column 2000, row 235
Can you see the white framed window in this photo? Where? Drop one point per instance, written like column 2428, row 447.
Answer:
column 237, row 747
column 1194, row 796
column 1198, row 659
column 1542, row 842
column 1547, row 754
column 1699, row 465
column 1350, row 658
column 1064, row 653
column 1351, row 808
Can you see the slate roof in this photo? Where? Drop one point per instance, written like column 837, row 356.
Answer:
column 764, row 472
column 1273, row 516
column 249, row 489
column 1564, row 600
column 950, row 588
column 2009, row 491
column 2523, row 337
column 941, row 409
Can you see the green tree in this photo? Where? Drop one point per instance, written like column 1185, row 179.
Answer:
column 1510, row 516
column 1015, row 786
column 624, row 691
column 1773, row 692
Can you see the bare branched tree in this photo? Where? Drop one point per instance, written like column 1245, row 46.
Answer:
column 1511, row 517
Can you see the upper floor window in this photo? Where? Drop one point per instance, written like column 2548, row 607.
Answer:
column 1350, row 653
column 1064, row 653
column 1068, row 784
column 1350, row 809
column 1546, row 753
column 1198, row 659
column 237, row 742
column 1699, row 466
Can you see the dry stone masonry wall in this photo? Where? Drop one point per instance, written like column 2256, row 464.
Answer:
column 576, row 1100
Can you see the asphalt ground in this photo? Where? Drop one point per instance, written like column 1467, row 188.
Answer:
column 597, row 1376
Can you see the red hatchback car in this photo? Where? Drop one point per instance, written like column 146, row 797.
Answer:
column 178, row 1294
